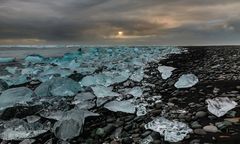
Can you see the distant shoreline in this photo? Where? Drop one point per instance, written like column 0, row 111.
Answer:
column 20, row 53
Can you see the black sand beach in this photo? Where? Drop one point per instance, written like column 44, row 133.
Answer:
column 218, row 71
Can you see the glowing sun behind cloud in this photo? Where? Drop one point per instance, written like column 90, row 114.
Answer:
column 120, row 33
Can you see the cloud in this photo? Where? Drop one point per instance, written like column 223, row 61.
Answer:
column 91, row 21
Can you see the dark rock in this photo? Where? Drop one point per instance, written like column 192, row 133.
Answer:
column 145, row 134
column 195, row 125
column 201, row 114
column 195, row 141
column 3, row 85
column 200, row 132
column 127, row 141
column 128, row 127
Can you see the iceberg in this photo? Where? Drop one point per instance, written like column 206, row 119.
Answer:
column 18, row 129
column 121, row 106
column 15, row 96
column 58, row 87
column 166, row 71
column 6, row 60
column 173, row 131
column 102, row 91
column 220, row 106
column 33, row 59
column 186, row 81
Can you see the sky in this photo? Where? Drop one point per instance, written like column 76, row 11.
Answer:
column 141, row 22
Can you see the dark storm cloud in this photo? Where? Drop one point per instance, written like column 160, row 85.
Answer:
column 97, row 21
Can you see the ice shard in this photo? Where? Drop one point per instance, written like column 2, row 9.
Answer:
column 101, row 91
column 105, row 78
column 220, row 106
column 166, row 71
column 18, row 129
column 135, row 91
column 14, row 96
column 173, row 131
column 67, row 128
column 50, row 72
column 83, row 96
column 11, row 70
column 58, row 87
column 186, row 81
column 69, row 124
column 121, row 106
column 137, row 75
column 15, row 79
column 84, row 100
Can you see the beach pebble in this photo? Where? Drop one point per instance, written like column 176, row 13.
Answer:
column 211, row 129
column 201, row 114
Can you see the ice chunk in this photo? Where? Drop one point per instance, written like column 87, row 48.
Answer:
column 34, row 59
column 15, row 80
column 84, row 100
column 102, row 100
column 27, row 141
column 18, row 129
column 121, row 106
column 30, row 71
column 49, row 72
column 6, row 60
column 136, row 92
column 84, row 96
column 101, row 91
column 220, row 106
column 141, row 110
column 67, row 129
column 166, row 71
column 61, row 115
column 173, row 131
column 70, row 123
column 73, row 65
column 12, row 70
column 105, row 79
column 52, row 114
column 32, row 119
column 58, row 87
column 186, row 81
column 14, row 96
column 137, row 75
